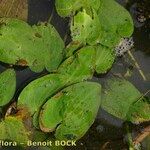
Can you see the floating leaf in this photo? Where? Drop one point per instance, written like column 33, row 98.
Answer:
column 106, row 26
column 35, row 94
column 14, row 8
column 13, row 129
column 116, row 22
column 74, row 108
column 51, row 114
column 118, row 96
column 7, row 86
column 105, row 58
column 54, row 45
column 85, row 29
column 80, row 66
column 68, row 8
column 86, row 60
column 72, row 47
column 34, row 44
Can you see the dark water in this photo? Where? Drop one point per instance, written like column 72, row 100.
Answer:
column 106, row 129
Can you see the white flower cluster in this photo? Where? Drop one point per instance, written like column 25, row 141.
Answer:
column 124, row 45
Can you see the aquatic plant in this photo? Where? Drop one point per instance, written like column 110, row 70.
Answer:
column 63, row 101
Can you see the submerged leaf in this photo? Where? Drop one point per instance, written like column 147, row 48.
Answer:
column 21, row 44
column 74, row 108
column 118, row 96
column 7, row 86
column 121, row 99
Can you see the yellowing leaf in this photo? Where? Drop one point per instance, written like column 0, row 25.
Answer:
column 13, row 129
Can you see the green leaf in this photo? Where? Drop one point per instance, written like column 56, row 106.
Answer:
column 72, row 47
column 7, row 86
column 87, row 60
column 52, row 108
column 35, row 47
column 74, row 108
column 116, row 22
column 39, row 136
column 105, row 58
column 118, row 96
column 105, row 24
column 54, row 43
column 12, row 128
column 139, row 111
column 68, row 8
column 80, row 66
column 85, row 29
column 35, row 94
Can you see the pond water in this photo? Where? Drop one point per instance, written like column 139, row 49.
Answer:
column 107, row 130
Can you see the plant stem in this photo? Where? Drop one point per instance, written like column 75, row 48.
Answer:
column 137, row 66
column 140, row 137
column 129, row 137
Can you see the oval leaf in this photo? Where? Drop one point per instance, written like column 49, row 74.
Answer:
column 116, row 22
column 36, row 47
column 73, row 110
column 118, row 96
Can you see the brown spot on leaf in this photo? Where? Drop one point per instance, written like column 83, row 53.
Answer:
column 38, row 35
column 44, row 129
column 22, row 62
column 58, row 95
